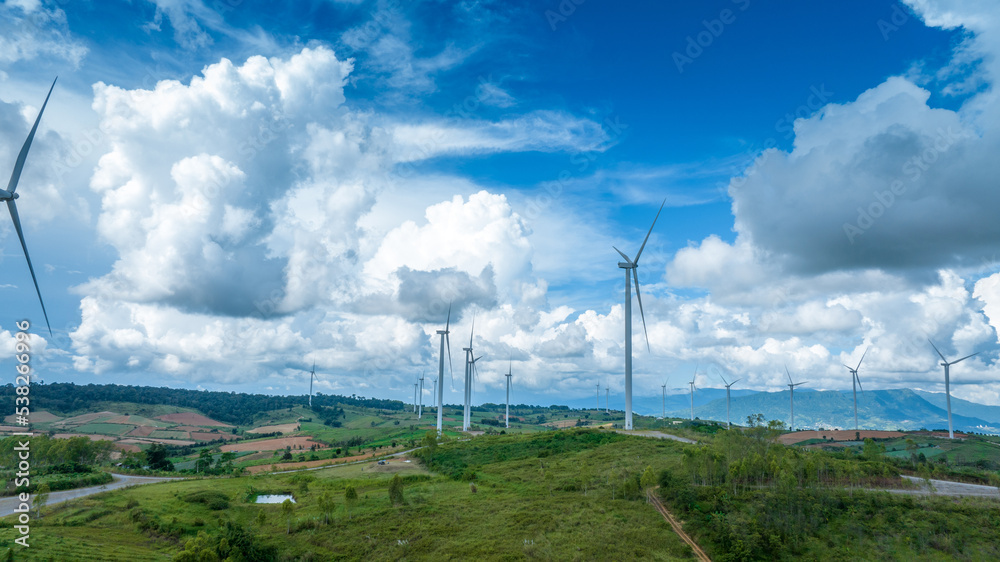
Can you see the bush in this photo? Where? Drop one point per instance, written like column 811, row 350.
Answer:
column 212, row 499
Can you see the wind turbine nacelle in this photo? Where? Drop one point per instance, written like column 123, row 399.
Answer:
column 7, row 196
column 625, row 265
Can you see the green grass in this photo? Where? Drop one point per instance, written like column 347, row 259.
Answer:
column 566, row 505
column 103, row 428
column 167, row 434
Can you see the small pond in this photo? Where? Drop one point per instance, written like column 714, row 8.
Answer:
column 274, row 498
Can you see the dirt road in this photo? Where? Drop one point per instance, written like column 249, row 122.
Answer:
column 698, row 552
column 657, row 435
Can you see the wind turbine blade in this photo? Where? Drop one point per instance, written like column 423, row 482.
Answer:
column 641, row 248
column 857, row 378
column 734, row 382
column 12, row 207
column 448, row 322
column 862, row 358
column 451, row 367
column 622, row 254
column 723, row 379
column 15, row 176
column 953, row 362
column 788, row 374
column 473, row 331
column 635, row 276
column 849, row 368
column 936, row 349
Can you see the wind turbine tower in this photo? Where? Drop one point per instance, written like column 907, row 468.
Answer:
column 856, row 383
column 10, row 195
column 598, row 395
column 607, row 398
column 791, row 398
column 692, row 394
column 508, row 375
column 420, row 402
column 728, row 384
column 440, row 387
column 312, row 375
column 414, row 398
column 947, row 384
column 630, row 265
column 664, row 400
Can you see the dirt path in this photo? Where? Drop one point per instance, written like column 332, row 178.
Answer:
column 656, row 434
column 698, row 552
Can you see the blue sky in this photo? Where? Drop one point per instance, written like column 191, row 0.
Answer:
column 222, row 193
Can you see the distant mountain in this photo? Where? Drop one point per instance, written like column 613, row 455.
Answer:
column 653, row 405
column 988, row 413
column 877, row 409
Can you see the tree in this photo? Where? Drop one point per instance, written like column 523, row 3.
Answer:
column 41, row 497
column 396, row 490
column 326, row 505
column 649, row 478
column 286, row 511
column 156, row 458
column 350, row 498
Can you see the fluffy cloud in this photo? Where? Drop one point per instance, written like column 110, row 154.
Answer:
column 33, row 32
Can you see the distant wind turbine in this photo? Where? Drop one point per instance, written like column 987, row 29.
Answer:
column 470, row 370
column 598, row 395
column 664, row 400
column 728, row 384
column 420, row 402
column 440, row 387
column 509, row 375
column 947, row 384
column 414, row 398
column 607, row 398
column 10, row 196
column 633, row 265
column 791, row 398
column 312, row 375
column 692, row 393
column 855, row 384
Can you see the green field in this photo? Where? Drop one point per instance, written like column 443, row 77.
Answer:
column 103, row 428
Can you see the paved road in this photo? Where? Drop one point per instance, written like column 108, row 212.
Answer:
column 656, row 434
column 8, row 504
column 946, row 488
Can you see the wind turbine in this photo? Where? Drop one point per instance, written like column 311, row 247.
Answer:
column 856, row 383
column 440, row 387
column 728, row 384
column 312, row 375
column 598, row 395
column 607, row 398
column 664, row 400
column 414, row 398
column 10, row 196
column 420, row 403
column 692, row 394
column 791, row 396
column 509, row 375
column 947, row 384
column 633, row 265
column 470, row 368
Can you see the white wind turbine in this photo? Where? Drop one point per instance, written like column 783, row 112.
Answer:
column 420, row 402
column 856, row 384
column 607, row 398
column 470, row 369
column 598, row 395
column 633, row 265
column 728, row 384
column 414, row 398
column 791, row 398
column 440, row 387
column 947, row 384
column 312, row 376
column 692, row 393
column 664, row 400
column 10, row 196
column 509, row 375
